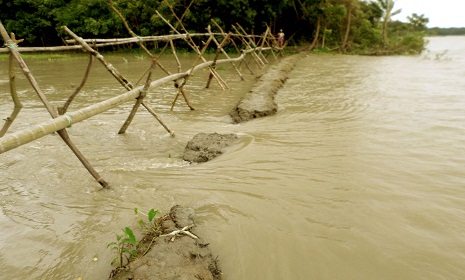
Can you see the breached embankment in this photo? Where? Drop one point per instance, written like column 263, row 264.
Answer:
column 259, row 102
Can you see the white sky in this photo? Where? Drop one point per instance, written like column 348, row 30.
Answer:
column 441, row 13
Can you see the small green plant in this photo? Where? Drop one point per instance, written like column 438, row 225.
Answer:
column 125, row 247
column 150, row 224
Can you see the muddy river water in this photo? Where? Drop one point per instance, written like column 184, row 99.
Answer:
column 360, row 174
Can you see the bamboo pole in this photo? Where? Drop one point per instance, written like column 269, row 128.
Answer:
column 190, row 42
column 235, row 46
column 224, row 52
column 62, row 110
column 252, row 43
column 14, row 94
column 173, row 49
column 51, row 110
column 263, row 39
column 120, row 78
column 139, row 42
column 218, row 50
column 257, row 59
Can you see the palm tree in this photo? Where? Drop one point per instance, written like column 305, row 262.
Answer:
column 418, row 21
column 387, row 6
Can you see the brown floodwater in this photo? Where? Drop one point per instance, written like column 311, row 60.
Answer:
column 360, row 174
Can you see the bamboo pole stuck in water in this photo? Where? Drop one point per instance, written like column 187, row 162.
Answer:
column 190, row 42
column 252, row 43
column 220, row 47
column 120, row 78
column 14, row 94
column 62, row 110
column 235, row 46
column 255, row 57
column 224, row 52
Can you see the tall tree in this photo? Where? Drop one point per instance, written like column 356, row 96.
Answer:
column 419, row 22
column 387, row 6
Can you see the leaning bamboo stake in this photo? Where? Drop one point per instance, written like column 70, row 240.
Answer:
column 190, row 42
column 252, row 43
column 139, row 100
column 220, row 47
column 224, row 52
column 262, row 40
column 113, row 71
column 235, row 46
column 62, row 110
column 140, row 42
column 255, row 57
column 14, row 94
column 120, row 78
column 173, row 49
column 51, row 110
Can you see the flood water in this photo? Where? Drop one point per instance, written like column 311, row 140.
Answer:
column 360, row 174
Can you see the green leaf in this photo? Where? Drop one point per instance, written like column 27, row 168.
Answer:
column 130, row 235
column 152, row 214
column 136, row 211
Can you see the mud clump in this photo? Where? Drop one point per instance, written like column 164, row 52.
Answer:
column 204, row 147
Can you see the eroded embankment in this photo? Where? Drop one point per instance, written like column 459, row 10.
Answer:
column 259, row 102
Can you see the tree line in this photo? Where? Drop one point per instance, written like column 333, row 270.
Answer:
column 357, row 26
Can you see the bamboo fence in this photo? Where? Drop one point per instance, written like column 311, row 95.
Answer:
column 254, row 47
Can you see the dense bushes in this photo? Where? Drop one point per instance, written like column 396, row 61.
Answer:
column 341, row 25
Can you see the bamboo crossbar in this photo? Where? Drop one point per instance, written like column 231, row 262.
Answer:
column 19, row 138
column 114, row 42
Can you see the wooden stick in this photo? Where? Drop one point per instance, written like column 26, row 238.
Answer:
column 120, row 78
column 235, row 46
column 224, row 52
column 191, row 43
column 257, row 59
column 251, row 43
column 14, row 94
column 263, row 39
column 139, row 101
column 140, row 42
column 218, row 50
column 62, row 110
column 173, row 49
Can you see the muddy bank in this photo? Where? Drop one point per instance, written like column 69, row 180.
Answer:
column 176, row 254
column 259, row 102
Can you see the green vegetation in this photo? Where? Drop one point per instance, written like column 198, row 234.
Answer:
column 126, row 246
column 354, row 26
column 454, row 31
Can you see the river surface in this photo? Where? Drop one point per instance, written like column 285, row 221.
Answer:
column 360, row 174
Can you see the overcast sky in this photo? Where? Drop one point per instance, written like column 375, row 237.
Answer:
column 441, row 13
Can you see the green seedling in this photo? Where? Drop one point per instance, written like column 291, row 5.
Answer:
column 125, row 247
column 150, row 224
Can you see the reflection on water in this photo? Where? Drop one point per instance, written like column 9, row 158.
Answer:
column 358, row 176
